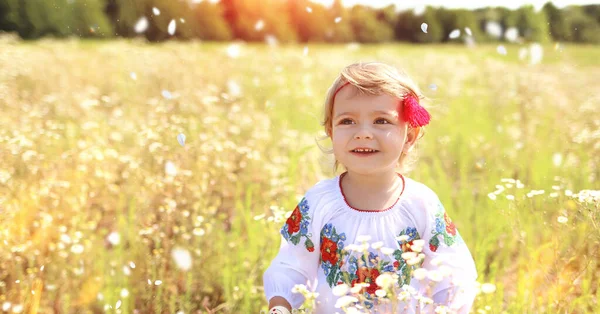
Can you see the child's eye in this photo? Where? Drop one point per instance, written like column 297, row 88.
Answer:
column 344, row 121
column 382, row 120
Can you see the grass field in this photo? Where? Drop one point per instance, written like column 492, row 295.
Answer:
column 102, row 210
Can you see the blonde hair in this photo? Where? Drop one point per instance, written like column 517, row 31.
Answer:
column 371, row 78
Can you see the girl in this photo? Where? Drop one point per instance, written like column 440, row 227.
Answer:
column 373, row 117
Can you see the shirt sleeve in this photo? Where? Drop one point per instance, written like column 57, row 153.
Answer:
column 445, row 251
column 298, row 257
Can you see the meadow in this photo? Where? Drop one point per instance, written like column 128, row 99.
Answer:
column 103, row 210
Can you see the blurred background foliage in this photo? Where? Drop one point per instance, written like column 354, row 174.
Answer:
column 290, row 21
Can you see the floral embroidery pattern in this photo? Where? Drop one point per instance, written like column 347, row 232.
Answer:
column 364, row 269
column 444, row 228
column 332, row 252
column 404, row 270
column 296, row 226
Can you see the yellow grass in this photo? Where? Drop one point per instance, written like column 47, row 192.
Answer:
column 86, row 151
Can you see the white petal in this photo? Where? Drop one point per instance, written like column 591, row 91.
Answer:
column 156, row 11
column 387, row 250
column 77, row 249
column 271, row 40
column 377, row 245
column 511, row 34
column 501, row 50
column 494, row 29
column 385, row 280
column 340, row 290
column 17, row 308
column 468, row 31
column 419, row 242
column 338, row 19
column 309, row 9
column 345, row 301
column 420, row 273
column 488, row 288
column 172, row 27
column 118, row 305
column 181, row 139
column 424, row 27
column 170, row 169
column 166, row 94
column 409, row 255
column 259, row 25
column 454, row 34
column 114, row 238
column 536, row 53
column 182, row 258
column 233, row 88
column 141, row 25
column 557, row 159
column 233, row 50
column 402, row 238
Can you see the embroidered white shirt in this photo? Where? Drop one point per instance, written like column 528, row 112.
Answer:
column 321, row 248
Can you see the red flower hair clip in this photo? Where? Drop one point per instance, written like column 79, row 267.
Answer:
column 412, row 112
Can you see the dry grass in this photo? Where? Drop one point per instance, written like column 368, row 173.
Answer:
column 95, row 191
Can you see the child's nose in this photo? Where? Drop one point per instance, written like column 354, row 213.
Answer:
column 363, row 133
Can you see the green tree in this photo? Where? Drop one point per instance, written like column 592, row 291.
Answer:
column 457, row 19
column 367, row 28
column 584, row 28
column 59, row 18
column 10, row 20
column 178, row 12
column 593, row 11
column 89, row 19
column 342, row 29
column 533, row 26
column 483, row 16
column 508, row 18
column 408, row 26
column 124, row 14
column 559, row 27
column 388, row 15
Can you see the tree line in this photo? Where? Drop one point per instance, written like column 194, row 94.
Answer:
column 293, row 21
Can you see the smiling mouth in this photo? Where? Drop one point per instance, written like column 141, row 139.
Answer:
column 363, row 151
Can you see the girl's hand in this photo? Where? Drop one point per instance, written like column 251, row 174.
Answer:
column 275, row 301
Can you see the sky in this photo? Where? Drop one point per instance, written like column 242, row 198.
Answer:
column 466, row 4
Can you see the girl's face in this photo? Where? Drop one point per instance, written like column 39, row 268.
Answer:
column 371, row 122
